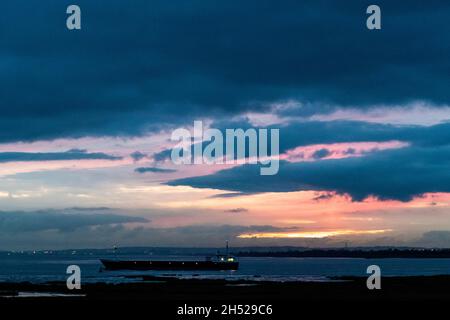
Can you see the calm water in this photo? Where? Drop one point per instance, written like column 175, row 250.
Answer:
column 52, row 267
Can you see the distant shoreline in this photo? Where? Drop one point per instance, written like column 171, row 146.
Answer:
column 269, row 251
column 353, row 253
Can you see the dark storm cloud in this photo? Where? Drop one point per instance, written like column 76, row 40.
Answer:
column 140, row 66
column 321, row 153
column 153, row 170
column 73, row 154
column 237, row 210
column 393, row 174
column 435, row 238
column 325, row 196
column 66, row 220
column 229, row 195
column 162, row 155
column 137, row 155
column 312, row 132
column 316, row 132
column 108, row 235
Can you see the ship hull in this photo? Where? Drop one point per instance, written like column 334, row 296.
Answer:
column 168, row 265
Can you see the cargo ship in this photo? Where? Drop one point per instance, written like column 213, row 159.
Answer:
column 217, row 262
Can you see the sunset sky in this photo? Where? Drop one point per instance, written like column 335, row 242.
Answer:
column 87, row 116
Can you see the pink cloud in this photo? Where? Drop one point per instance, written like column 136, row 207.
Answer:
column 338, row 150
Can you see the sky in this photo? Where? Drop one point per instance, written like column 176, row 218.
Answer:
column 87, row 116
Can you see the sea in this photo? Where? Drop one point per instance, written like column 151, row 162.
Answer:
column 49, row 266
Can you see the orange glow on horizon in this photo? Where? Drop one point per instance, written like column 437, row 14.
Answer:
column 310, row 234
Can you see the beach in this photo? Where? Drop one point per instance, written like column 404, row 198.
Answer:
column 176, row 292
column 155, row 298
